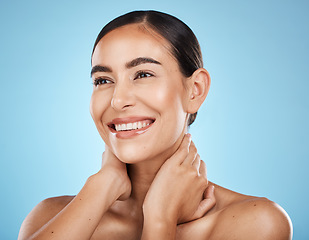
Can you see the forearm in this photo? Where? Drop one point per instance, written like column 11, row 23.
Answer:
column 81, row 216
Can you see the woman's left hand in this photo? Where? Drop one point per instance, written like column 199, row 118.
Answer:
column 180, row 191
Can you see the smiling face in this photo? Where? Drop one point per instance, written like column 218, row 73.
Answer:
column 139, row 100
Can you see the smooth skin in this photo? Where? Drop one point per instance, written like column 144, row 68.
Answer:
column 153, row 185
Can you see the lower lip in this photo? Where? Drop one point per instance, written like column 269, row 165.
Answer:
column 132, row 133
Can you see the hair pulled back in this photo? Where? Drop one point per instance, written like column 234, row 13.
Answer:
column 184, row 44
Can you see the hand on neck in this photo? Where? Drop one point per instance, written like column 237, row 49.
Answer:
column 143, row 173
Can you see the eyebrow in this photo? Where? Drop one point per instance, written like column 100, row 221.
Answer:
column 135, row 62
column 141, row 60
column 99, row 68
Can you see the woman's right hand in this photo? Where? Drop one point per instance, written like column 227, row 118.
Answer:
column 112, row 166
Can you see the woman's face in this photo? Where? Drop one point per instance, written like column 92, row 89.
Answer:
column 139, row 100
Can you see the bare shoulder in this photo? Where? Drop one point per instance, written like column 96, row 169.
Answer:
column 42, row 213
column 241, row 217
column 253, row 218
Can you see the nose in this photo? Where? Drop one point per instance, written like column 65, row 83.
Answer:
column 123, row 96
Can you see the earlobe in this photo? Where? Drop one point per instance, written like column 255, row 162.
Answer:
column 199, row 89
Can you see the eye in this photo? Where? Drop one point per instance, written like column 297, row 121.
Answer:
column 143, row 74
column 101, row 81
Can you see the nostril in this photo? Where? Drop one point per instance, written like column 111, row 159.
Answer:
column 123, row 95
column 121, row 101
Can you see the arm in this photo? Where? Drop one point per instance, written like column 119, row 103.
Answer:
column 79, row 218
column 176, row 194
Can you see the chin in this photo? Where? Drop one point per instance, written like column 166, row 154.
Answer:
column 135, row 152
column 131, row 156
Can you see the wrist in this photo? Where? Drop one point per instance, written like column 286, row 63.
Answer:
column 110, row 176
column 159, row 228
column 106, row 183
column 160, row 214
column 159, row 219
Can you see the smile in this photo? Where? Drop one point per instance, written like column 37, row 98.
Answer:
column 130, row 126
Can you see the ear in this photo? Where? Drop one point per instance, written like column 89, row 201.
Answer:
column 199, row 87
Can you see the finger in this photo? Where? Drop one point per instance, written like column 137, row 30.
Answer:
column 206, row 204
column 191, row 155
column 109, row 158
column 183, row 149
column 106, row 155
column 197, row 162
column 202, row 169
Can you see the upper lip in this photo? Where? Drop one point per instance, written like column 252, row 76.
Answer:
column 127, row 120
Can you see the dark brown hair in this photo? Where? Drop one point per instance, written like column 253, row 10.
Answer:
column 184, row 44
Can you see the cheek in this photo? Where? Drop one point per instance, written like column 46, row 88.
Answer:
column 168, row 101
column 164, row 95
column 161, row 96
column 98, row 105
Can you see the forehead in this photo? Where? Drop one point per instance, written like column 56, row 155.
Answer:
column 128, row 42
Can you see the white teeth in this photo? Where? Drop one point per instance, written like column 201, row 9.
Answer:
column 130, row 126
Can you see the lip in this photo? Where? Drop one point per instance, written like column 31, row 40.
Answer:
column 126, row 120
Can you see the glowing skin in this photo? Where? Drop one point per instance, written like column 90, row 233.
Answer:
column 157, row 94
column 140, row 105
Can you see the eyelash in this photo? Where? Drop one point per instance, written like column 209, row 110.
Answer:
column 99, row 81
column 138, row 75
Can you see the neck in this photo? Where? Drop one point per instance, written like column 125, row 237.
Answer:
column 142, row 174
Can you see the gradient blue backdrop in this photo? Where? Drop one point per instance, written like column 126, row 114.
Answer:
column 252, row 130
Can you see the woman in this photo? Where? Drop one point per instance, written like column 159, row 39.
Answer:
column 149, row 83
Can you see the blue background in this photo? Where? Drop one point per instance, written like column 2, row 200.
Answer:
column 252, row 130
